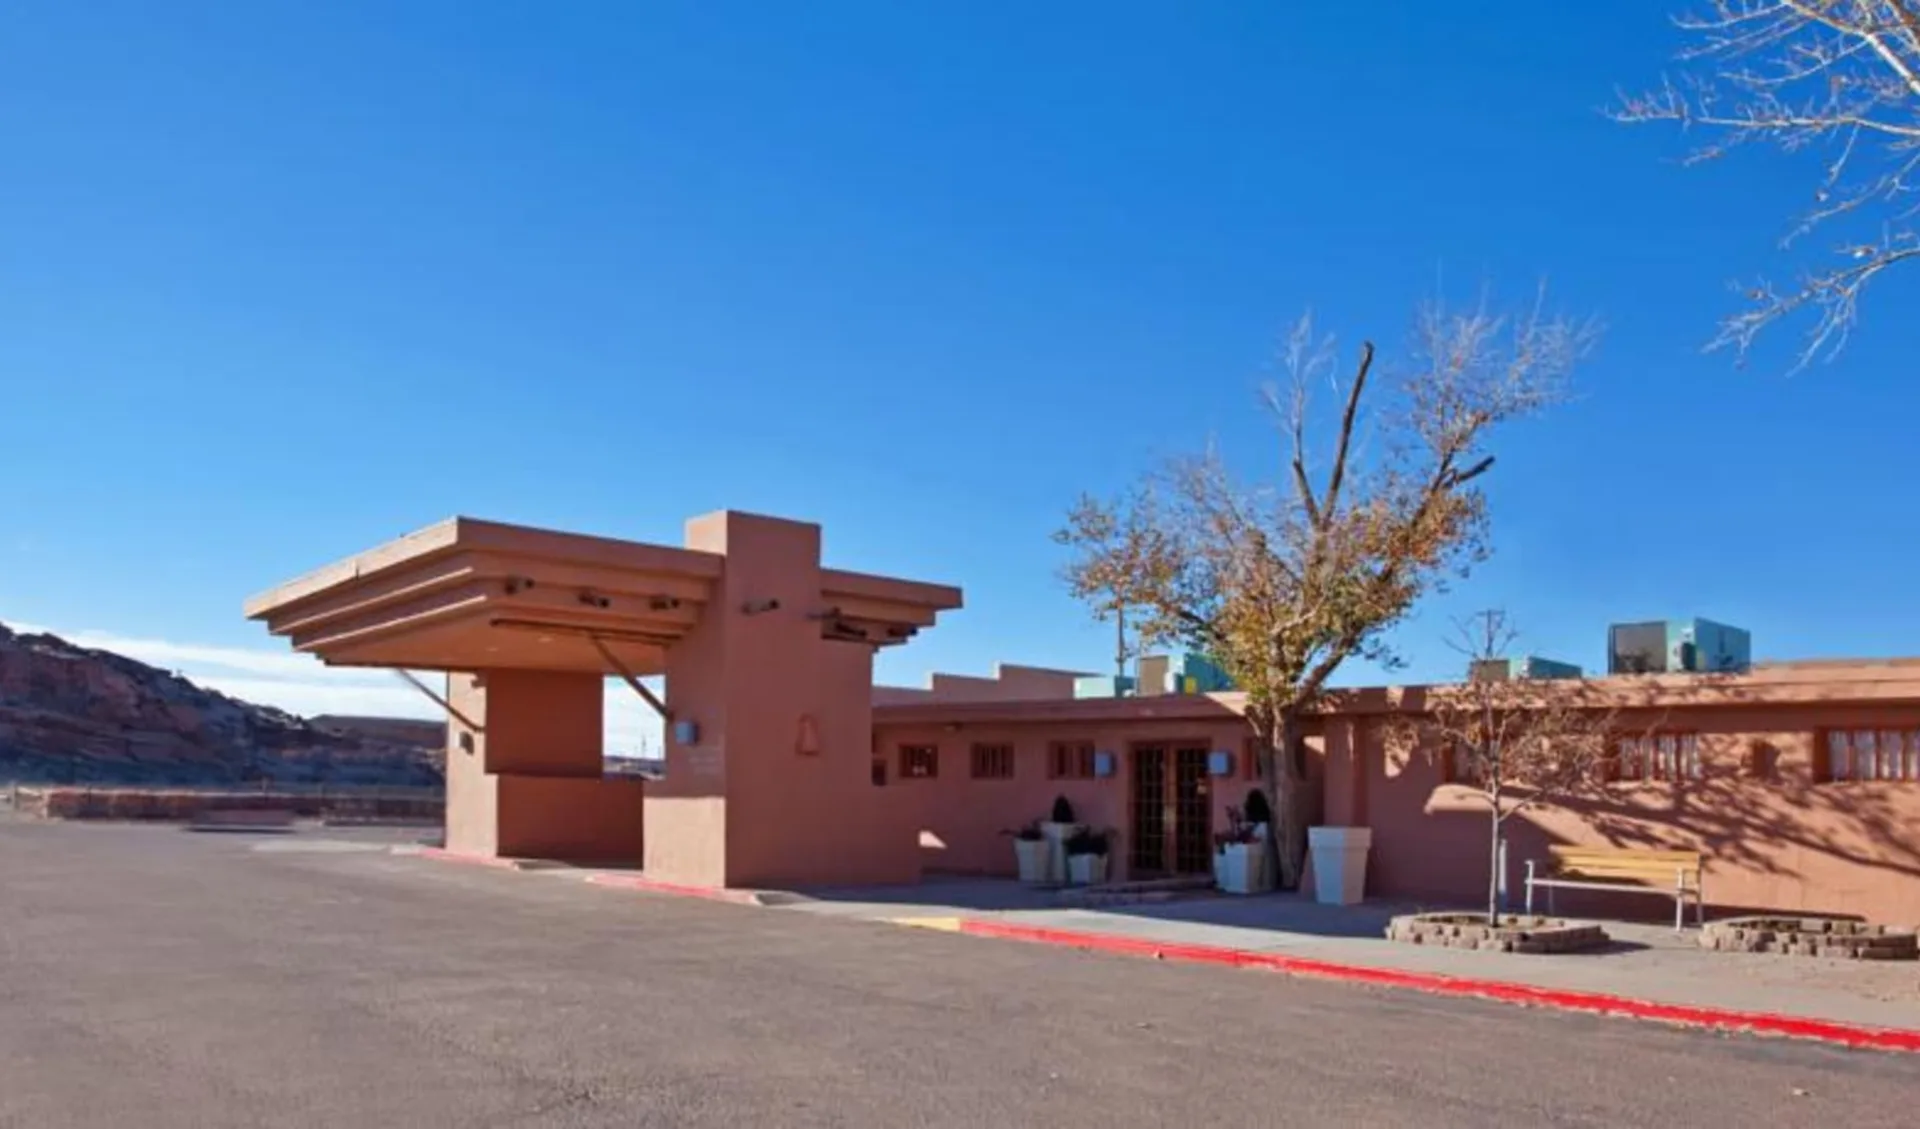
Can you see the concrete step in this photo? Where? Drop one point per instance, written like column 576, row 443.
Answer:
column 1137, row 893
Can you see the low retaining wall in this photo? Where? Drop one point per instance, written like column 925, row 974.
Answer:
column 1811, row 937
column 1512, row 933
column 185, row 805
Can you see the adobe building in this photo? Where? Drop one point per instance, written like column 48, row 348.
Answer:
column 785, row 765
column 768, row 664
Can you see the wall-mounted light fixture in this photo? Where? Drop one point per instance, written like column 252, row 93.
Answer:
column 1103, row 764
column 757, row 607
column 686, row 732
column 1220, row 763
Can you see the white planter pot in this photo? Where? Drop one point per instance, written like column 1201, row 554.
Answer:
column 1056, row 836
column 1339, row 856
column 1030, row 856
column 1241, row 868
column 1087, row 870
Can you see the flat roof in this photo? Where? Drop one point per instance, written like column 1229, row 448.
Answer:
column 1860, row 681
column 466, row 594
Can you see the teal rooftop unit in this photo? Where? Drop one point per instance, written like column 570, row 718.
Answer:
column 1102, row 686
column 1698, row 646
column 1181, row 674
column 1531, row 666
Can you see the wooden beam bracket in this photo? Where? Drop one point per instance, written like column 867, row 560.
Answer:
column 628, row 677
column 407, row 676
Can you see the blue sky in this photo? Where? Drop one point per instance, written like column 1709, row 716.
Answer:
column 281, row 281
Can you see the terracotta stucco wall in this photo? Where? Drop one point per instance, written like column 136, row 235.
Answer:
column 1008, row 683
column 526, row 778
column 773, row 790
column 472, row 798
column 962, row 819
column 1772, row 836
column 595, row 819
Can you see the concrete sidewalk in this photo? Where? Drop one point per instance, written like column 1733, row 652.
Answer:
column 1649, row 964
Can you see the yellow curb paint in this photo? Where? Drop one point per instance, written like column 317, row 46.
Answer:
column 943, row 924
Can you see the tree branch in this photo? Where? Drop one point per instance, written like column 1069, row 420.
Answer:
column 1339, row 473
column 1456, row 479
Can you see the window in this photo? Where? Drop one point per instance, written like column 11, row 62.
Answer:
column 1658, row 756
column 993, row 762
column 1866, row 754
column 1070, row 760
column 1250, row 759
column 919, row 762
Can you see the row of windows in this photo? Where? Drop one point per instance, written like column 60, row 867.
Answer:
column 1661, row 756
column 1066, row 760
column 1865, row 754
column 1843, row 755
column 1868, row 754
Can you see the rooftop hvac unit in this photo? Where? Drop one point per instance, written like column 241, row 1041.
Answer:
column 1696, row 645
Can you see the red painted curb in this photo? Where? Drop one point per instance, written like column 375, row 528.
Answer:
column 656, row 886
column 1758, row 1023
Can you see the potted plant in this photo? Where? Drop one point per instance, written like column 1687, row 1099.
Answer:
column 1259, row 813
column 1058, row 828
column 1239, row 856
column 1030, row 852
column 1087, row 857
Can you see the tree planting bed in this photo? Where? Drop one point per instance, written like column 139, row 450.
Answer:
column 1810, row 937
column 1511, row 933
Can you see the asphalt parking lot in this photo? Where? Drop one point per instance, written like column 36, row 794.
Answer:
column 155, row 977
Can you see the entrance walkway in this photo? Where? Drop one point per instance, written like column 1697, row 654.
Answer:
column 1648, row 963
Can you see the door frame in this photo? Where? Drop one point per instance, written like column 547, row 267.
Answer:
column 1169, row 751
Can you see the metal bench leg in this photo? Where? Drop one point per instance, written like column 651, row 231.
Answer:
column 1680, row 901
column 1529, row 887
column 1699, row 902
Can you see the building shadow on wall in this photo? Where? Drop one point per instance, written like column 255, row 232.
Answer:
column 1752, row 812
column 1784, row 831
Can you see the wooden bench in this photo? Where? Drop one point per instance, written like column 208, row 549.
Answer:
column 1671, row 874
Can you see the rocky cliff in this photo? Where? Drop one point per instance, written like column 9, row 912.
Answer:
column 69, row 714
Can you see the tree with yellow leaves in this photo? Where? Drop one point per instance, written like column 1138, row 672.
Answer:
column 1280, row 582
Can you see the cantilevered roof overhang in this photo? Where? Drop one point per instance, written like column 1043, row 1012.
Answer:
column 472, row 595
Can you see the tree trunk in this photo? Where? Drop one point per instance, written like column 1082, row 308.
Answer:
column 1286, row 789
column 1493, row 867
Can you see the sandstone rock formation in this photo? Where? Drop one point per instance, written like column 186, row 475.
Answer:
column 73, row 715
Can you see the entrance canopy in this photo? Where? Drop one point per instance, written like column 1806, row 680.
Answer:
column 467, row 595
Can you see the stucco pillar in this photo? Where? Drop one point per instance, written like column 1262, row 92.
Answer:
column 768, row 779
column 1347, row 769
column 526, row 780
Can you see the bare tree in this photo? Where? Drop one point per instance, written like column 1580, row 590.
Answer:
column 1514, row 743
column 1282, row 581
column 1840, row 77
column 1108, row 582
